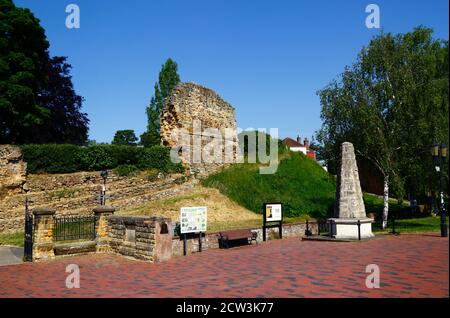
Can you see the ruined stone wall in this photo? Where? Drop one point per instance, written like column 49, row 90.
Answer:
column 188, row 104
column 13, row 172
column 75, row 194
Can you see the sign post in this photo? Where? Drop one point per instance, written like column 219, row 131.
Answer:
column 272, row 212
column 193, row 220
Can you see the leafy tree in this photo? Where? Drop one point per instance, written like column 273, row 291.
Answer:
column 125, row 138
column 391, row 104
column 37, row 100
column 149, row 139
column 65, row 123
column 168, row 80
column 23, row 47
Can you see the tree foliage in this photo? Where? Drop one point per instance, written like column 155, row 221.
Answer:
column 37, row 100
column 23, row 46
column 150, row 138
column 66, row 122
column 391, row 104
column 168, row 79
column 125, row 138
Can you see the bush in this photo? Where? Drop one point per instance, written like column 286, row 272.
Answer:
column 157, row 157
column 55, row 158
column 97, row 158
column 51, row 158
column 126, row 170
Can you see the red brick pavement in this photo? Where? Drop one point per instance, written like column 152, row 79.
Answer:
column 410, row 265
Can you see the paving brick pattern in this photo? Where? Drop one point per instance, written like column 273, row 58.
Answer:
column 410, row 265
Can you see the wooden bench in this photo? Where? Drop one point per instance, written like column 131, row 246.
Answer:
column 226, row 236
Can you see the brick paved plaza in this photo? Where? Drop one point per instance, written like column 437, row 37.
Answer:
column 410, row 265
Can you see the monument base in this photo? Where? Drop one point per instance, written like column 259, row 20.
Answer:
column 348, row 228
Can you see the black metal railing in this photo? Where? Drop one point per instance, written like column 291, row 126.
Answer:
column 323, row 227
column 72, row 228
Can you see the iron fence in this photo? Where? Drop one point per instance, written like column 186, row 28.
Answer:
column 323, row 227
column 72, row 228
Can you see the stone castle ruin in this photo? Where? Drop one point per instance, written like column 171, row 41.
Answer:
column 12, row 184
column 208, row 123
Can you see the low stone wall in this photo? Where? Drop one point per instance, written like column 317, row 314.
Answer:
column 67, row 249
column 146, row 238
column 210, row 240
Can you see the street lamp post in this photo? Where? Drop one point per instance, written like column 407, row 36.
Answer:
column 439, row 153
column 104, row 175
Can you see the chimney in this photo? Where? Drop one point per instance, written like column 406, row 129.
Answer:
column 306, row 143
column 299, row 140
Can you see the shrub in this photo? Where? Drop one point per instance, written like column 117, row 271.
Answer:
column 126, row 170
column 157, row 157
column 51, row 158
column 97, row 158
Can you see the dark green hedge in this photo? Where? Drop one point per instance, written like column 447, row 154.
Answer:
column 54, row 158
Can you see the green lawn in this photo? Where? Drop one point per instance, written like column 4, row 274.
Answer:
column 15, row 239
column 416, row 225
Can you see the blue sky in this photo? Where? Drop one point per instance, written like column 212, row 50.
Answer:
column 267, row 58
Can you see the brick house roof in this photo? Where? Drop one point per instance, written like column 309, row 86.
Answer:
column 291, row 142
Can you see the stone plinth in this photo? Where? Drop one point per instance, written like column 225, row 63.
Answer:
column 43, row 242
column 101, row 227
column 348, row 228
column 349, row 206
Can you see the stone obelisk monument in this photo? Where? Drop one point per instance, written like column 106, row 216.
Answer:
column 350, row 220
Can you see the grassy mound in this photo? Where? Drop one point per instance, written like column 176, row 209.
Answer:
column 303, row 186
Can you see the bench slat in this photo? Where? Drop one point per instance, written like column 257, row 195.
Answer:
column 237, row 234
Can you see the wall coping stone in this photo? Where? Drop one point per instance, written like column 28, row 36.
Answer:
column 104, row 209
column 134, row 219
column 44, row 211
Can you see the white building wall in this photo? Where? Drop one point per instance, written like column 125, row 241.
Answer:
column 298, row 149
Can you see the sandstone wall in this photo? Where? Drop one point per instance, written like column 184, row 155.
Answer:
column 13, row 171
column 75, row 193
column 190, row 102
column 141, row 237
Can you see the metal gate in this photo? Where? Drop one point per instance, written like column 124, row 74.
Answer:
column 28, row 244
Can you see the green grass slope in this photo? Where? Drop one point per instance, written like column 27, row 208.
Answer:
column 303, row 186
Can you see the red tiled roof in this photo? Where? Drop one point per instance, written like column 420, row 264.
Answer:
column 292, row 143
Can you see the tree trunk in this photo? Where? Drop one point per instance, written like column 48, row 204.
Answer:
column 385, row 202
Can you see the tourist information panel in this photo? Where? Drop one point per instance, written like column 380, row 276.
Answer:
column 273, row 212
column 193, row 219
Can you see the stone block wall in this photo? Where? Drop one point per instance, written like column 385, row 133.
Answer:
column 142, row 238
